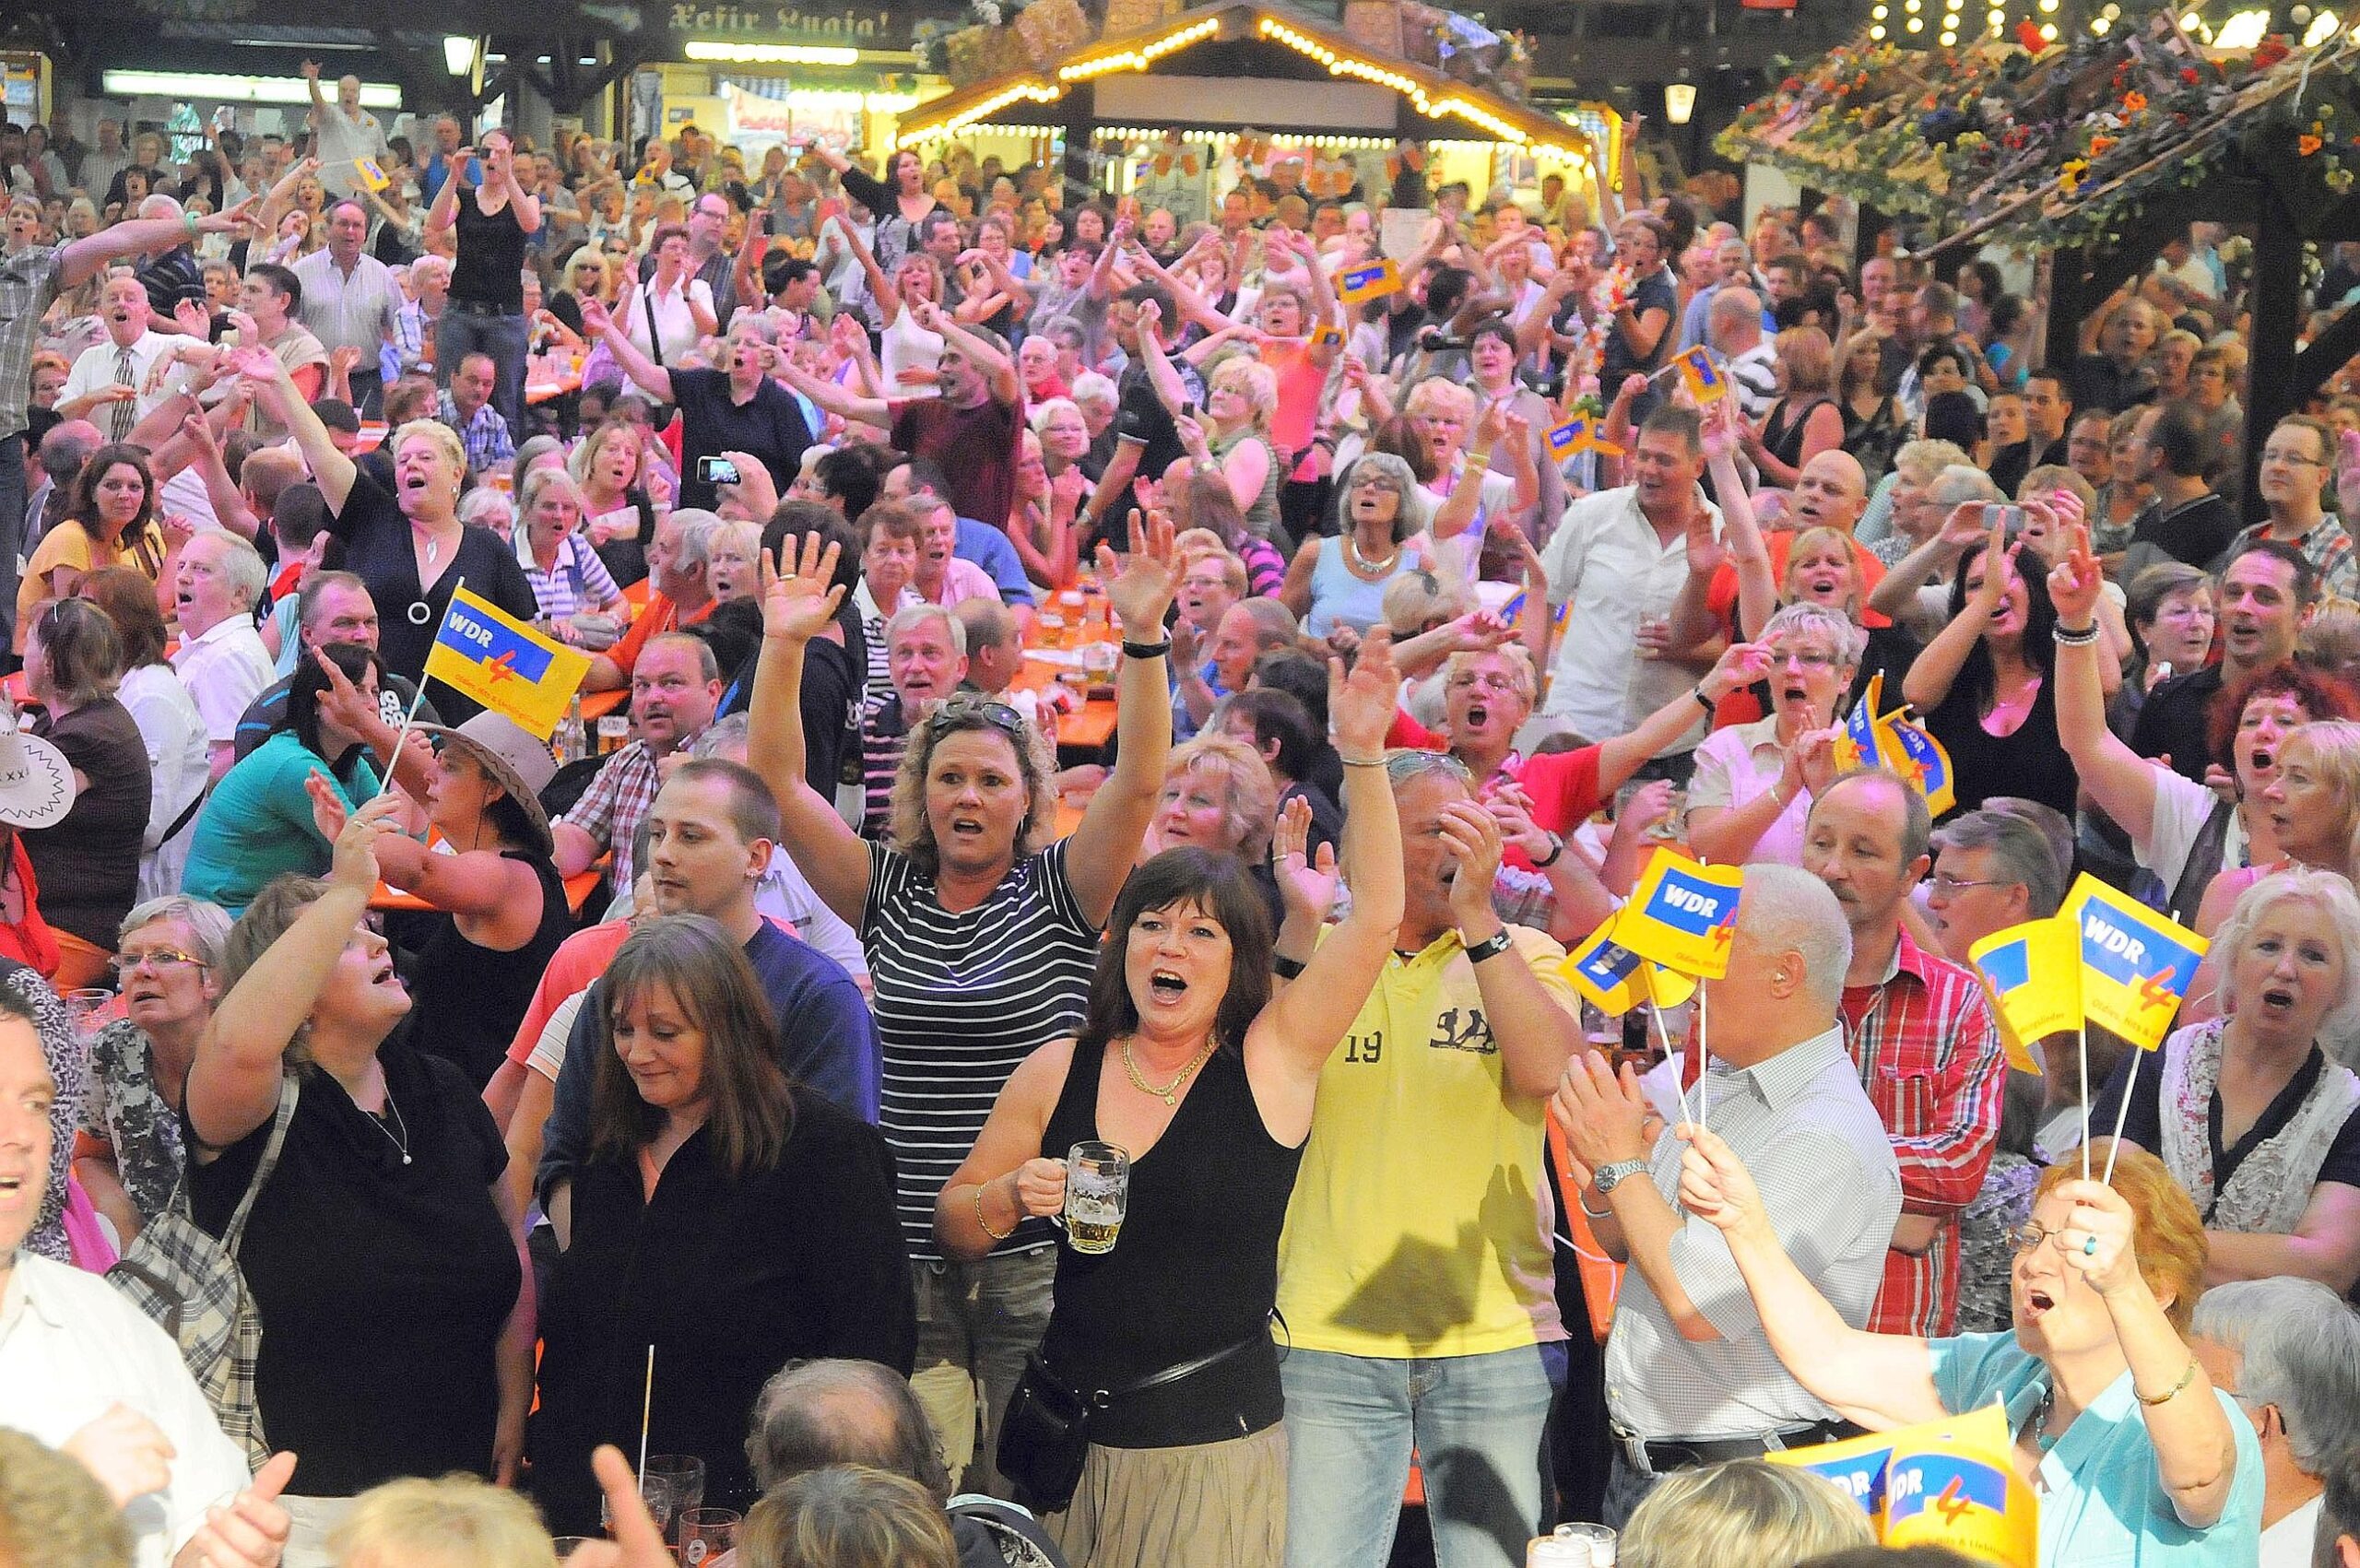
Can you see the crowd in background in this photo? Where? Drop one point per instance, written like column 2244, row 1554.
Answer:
column 713, row 1091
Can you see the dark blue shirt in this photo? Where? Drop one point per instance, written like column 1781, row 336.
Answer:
column 827, row 1042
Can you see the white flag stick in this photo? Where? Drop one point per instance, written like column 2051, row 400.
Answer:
column 2122, row 1113
column 401, row 736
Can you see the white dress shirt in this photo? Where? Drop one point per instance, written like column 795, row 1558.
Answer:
column 225, row 668
column 2287, row 1544
column 70, row 1348
column 94, row 371
column 178, row 761
column 1736, row 767
column 1607, row 561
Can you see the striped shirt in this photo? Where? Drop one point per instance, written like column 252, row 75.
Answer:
column 884, row 735
column 961, row 999
column 1830, row 1186
column 1928, row 1056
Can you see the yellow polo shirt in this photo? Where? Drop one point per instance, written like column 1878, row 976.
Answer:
column 1421, row 1221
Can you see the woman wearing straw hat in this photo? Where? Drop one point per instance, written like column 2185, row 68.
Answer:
column 503, row 901
column 36, row 791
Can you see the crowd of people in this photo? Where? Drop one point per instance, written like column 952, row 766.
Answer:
column 749, row 1091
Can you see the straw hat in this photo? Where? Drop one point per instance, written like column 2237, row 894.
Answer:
column 36, row 781
column 511, row 757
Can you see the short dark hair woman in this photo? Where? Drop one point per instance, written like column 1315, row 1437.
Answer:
column 88, row 863
column 1212, row 1102
column 726, row 1218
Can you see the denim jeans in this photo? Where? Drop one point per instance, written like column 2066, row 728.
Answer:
column 458, row 333
column 985, row 1319
column 1476, row 1423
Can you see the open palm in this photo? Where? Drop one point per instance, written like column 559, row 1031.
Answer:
column 799, row 597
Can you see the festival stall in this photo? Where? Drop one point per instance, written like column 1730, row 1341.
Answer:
column 2097, row 150
column 1173, row 105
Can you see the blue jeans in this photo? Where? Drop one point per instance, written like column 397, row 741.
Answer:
column 1476, row 1423
column 458, row 333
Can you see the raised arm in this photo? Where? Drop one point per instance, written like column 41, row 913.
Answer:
column 1107, row 840
column 1931, row 673
column 999, row 369
column 1739, row 665
column 880, row 287
column 233, row 1083
column 1170, row 390
column 1536, row 1035
column 847, row 406
column 81, row 260
column 1304, row 1023
column 646, row 373
column 331, row 469
column 798, row 603
column 1881, row 1381
column 2122, row 781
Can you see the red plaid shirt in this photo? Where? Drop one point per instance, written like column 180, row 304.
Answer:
column 1930, row 1057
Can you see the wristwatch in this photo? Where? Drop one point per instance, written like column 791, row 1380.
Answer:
column 1608, row 1177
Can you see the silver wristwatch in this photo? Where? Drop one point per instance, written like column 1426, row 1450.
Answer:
column 1608, row 1177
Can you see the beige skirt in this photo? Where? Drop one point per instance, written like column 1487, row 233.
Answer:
column 1208, row 1505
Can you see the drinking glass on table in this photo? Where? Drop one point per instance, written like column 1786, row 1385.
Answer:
column 684, row 1474
column 706, row 1534
column 85, row 1005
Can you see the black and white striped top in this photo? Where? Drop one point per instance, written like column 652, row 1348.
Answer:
column 960, row 1000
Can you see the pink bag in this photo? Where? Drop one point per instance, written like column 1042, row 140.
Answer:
column 87, row 1234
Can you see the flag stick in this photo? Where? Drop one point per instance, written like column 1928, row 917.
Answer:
column 1704, row 1056
column 2122, row 1113
column 646, row 1409
column 2082, row 1034
column 401, row 736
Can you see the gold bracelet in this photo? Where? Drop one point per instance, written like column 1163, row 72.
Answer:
column 1003, row 1235
column 2170, row 1393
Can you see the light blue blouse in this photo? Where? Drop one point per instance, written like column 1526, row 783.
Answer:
column 2103, row 1504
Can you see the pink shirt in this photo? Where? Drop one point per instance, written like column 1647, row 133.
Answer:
column 963, row 579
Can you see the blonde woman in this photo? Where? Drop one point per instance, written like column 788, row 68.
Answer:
column 1807, row 419
column 454, row 1522
column 1240, row 399
column 567, row 576
column 617, row 513
column 1747, row 1511
column 586, row 276
column 1217, row 794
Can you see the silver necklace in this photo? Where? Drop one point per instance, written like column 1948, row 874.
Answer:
column 399, row 1140
column 1353, row 546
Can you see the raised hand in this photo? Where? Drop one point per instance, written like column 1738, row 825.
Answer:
column 1473, row 838
column 353, row 862
column 1306, row 882
column 2076, row 581
column 1140, row 587
column 1739, row 665
column 2100, row 1216
column 639, row 1542
column 1604, row 1116
column 800, row 598
column 1361, row 705
column 1999, row 565
column 192, row 319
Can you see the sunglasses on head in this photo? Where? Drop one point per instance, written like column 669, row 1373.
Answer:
column 968, row 712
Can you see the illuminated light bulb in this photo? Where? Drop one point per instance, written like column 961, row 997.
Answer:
column 2322, row 29
column 2099, row 26
column 1877, row 32
column 2049, row 31
column 1949, row 38
column 1916, row 25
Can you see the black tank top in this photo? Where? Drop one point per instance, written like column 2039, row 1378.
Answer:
column 1195, row 1270
column 470, row 998
column 489, row 267
column 1783, row 440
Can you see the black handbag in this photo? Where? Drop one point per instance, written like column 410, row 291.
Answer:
column 1044, row 1436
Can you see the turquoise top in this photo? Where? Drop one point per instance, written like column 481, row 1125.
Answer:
column 2102, row 1504
column 258, row 823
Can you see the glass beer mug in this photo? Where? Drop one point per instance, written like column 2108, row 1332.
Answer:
column 1098, row 1181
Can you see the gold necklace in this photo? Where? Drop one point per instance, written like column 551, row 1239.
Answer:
column 1169, row 1093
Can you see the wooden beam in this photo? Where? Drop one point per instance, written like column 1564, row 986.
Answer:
column 2272, row 391
column 2067, row 291
column 2326, row 354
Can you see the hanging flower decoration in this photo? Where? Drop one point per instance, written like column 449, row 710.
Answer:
column 2070, row 175
column 2134, row 102
column 2028, row 34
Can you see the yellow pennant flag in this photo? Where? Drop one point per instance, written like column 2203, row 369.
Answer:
column 1682, row 915
column 2136, row 964
column 1577, row 435
column 1946, row 1482
column 1704, row 380
column 1911, row 752
column 1861, row 743
column 2033, row 974
column 1357, row 286
column 481, row 651
column 366, row 170
column 1614, row 979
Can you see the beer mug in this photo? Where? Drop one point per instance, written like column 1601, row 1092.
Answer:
column 1098, row 1181
column 1572, row 1545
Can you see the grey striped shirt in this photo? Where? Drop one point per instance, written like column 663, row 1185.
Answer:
column 1819, row 1153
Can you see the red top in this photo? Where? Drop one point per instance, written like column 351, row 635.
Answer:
column 1563, row 784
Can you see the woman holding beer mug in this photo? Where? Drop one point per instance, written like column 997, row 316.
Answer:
column 726, row 1218
column 2136, row 1456
column 1203, row 1081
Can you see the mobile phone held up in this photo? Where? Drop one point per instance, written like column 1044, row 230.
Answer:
column 716, row 471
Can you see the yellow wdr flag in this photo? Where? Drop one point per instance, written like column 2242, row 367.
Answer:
column 1357, row 286
column 1682, row 915
column 2136, row 964
column 482, row 652
column 1614, row 979
column 2033, row 974
column 1704, row 380
column 1946, row 1483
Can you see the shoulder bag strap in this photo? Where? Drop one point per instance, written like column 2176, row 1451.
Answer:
column 1190, row 1367
column 290, row 1088
column 654, row 338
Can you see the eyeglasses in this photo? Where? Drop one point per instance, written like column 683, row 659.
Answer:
column 160, row 959
column 969, row 713
column 1810, row 658
column 2027, row 1237
column 2292, row 459
column 1950, row 887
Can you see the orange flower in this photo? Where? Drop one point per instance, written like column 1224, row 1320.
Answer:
column 2098, row 145
column 2307, row 144
column 2134, row 100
